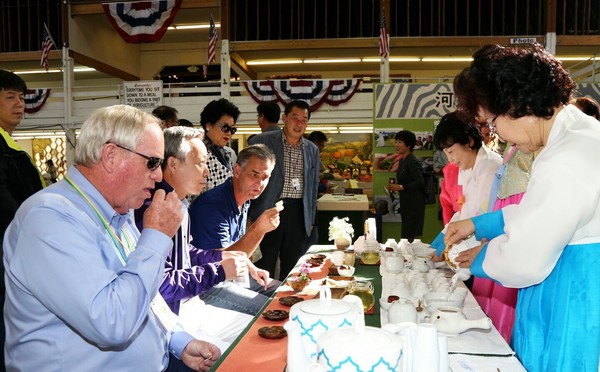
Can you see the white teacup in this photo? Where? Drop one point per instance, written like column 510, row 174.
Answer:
column 394, row 264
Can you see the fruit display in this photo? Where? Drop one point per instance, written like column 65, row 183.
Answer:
column 348, row 160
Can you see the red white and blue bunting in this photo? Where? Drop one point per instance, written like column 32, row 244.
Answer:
column 142, row 21
column 35, row 99
column 314, row 92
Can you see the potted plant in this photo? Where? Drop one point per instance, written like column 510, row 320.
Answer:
column 302, row 279
column 341, row 232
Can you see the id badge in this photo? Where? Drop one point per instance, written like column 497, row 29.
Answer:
column 296, row 184
column 163, row 312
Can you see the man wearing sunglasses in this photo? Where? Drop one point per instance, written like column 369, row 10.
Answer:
column 295, row 181
column 81, row 280
column 218, row 120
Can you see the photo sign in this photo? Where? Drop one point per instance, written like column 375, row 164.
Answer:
column 145, row 95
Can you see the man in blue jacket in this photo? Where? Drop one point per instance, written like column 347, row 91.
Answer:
column 295, row 181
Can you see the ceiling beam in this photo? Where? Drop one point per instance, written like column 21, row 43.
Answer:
column 241, row 68
column 362, row 43
column 96, row 8
column 102, row 67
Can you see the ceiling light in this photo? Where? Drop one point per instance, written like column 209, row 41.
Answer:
column 53, row 70
column 350, row 131
column 248, row 130
column 332, row 60
column 392, row 59
column 191, row 27
column 311, row 128
column 574, row 58
column 447, row 59
column 274, row 62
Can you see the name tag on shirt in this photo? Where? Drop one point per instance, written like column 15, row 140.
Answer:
column 163, row 312
column 296, row 184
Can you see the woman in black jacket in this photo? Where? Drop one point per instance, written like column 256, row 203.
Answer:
column 410, row 185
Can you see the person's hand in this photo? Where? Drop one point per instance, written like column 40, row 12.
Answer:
column 465, row 258
column 395, row 187
column 268, row 220
column 435, row 258
column 261, row 276
column 234, row 264
column 164, row 214
column 200, row 355
column 458, row 231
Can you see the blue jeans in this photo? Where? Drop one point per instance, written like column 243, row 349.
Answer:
column 229, row 295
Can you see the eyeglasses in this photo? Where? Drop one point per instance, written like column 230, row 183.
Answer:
column 153, row 162
column 492, row 125
column 226, row 128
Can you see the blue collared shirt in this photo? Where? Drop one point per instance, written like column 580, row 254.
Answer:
column 216, row 221
column 71, row 304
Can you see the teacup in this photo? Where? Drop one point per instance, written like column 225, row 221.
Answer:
column 394, row 264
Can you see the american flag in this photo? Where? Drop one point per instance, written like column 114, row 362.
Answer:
column 47, row 44
column 212, row 40
column 384, row 47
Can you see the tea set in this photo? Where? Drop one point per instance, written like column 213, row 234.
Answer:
column 420, row 308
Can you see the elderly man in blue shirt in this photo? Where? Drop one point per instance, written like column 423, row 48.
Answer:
column 81, row 280
column 218, row 220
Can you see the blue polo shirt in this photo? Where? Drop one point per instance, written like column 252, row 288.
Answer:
column 216, row 221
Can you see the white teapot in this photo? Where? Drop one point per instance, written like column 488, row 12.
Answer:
column 400, row 310
column 360, row 349
column 353, row 349
column 315, row 317
column 451, row 321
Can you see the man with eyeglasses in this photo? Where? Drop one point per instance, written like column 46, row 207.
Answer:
column 218, row 120
column 81, row 280
column 190, row 271
column 295, row 181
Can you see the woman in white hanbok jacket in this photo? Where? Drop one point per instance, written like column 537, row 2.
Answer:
column 548, row 246
column 463, row 145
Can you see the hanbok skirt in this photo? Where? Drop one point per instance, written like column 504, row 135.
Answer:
column 557, row 325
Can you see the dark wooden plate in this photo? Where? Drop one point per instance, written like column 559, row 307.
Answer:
column 290, row 300
column 276, row 314
column 272, row 332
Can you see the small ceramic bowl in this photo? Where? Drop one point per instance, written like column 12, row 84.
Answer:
column 435, row 300
column 345, row 270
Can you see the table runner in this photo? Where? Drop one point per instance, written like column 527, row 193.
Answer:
column 260, row 353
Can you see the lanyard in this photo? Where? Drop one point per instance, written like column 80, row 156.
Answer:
column 123, row 250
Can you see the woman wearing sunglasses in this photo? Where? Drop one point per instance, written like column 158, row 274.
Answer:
column 218, row 120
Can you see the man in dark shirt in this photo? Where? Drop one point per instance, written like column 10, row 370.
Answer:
column 219, row 217
column 19, row 178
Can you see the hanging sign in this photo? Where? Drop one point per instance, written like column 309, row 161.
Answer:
column 522, row 40
column 145, row 95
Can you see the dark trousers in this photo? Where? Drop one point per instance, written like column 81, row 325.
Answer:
column 286, row 242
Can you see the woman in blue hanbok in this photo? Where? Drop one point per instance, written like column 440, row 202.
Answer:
column 548, row 246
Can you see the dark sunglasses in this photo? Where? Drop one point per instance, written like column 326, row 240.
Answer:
column 226, row 128
column 153, row 162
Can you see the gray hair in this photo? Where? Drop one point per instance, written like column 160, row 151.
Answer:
column 120, row 124
column 176, row 142
column 260, row 151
